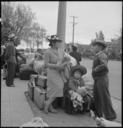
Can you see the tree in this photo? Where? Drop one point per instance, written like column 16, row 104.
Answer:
column 37, row 34
column 115, row 47
column 7, row 15
column 100, row 35
column 23, row 21
column 20, row 21
column 15, row 20
column 97, row 36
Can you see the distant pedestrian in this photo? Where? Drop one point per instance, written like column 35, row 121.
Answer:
column 11, row 61
column 102, row 99
column 76, row 54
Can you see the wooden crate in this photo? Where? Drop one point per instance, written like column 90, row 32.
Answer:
column 39, row 97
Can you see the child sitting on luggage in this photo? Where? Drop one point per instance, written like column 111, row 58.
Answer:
column 77, row 91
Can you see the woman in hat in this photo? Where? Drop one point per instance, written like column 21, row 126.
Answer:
column 76, row 94
column 100, row 71
column 55, row 82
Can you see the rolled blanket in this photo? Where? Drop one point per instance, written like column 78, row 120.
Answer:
column 68, row 62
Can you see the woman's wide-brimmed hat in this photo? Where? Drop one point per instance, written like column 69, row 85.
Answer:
column 99, row 42
column 12, row 35
column 54, row 38
column 80, row 68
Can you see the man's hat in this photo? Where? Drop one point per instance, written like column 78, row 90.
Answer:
column 53, row 38
column 99, row 42
column 80, row 68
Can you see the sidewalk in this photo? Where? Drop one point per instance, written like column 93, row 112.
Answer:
column 16, row 109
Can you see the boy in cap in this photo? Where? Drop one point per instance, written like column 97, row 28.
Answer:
column 102, row 100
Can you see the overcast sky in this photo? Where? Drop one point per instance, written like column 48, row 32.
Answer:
column 92, row 17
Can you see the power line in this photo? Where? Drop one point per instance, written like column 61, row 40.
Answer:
column 74, row 23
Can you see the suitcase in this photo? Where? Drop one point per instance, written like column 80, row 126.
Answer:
column 31, row 85
column 39, row 97
column 31, row 91
column 26, row 74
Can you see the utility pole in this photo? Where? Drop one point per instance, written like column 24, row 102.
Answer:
column 74, row 23
column 61, row 26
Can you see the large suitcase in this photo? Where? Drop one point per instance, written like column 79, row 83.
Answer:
column 39, row 97
column 31, row 85
column 37, row 89
column 31, row 90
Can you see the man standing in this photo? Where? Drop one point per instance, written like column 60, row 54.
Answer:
column 76, row 54
column 2, row 56
column 11, row 61
column 100, row 71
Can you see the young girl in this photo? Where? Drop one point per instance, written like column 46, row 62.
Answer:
column 76, row 92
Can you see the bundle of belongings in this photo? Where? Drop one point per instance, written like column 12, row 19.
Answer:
column 101, row 122
column 68, row 62
column 35, row 66
column 35, row 122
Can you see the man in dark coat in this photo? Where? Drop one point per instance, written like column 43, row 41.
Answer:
column 2, row 56
column 100, row 71
column 76, row 54
column 11, row 61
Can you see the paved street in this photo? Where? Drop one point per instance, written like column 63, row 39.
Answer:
column 15, row 110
